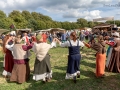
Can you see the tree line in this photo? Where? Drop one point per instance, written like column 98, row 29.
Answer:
column 38, row 21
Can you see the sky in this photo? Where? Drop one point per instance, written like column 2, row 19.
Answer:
column 66, row 10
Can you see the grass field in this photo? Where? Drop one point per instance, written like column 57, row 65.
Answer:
column 87, row 81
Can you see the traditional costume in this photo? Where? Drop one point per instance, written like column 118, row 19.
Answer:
column 74, row 58
column 109, row 51
column 8, row 60
column 42, row 66
column 114, row 62
column 44, row 37
column 21, row 69
column 26, row 40
column 100, row 57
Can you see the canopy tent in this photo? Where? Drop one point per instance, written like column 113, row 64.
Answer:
column 104, row 25
column 57, row 30
column 4, row 31
column 47, row 30
column 51, row 30
column 20, row 31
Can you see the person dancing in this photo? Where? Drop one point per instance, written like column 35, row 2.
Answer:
column 100, row 55
column 74, row 56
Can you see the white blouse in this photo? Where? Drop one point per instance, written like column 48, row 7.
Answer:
column 67, row 43
column 9, row 47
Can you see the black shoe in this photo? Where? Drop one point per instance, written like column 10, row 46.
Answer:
column 78, row 75
column 19, row 83
column 43, row 82
column 74, row 79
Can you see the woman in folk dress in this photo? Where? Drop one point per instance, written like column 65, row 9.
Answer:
column 21, row 69
column 100, row 55
column 42, row 66
column 74, row 56
column 8, row 57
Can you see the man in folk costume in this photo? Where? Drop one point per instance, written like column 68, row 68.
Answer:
column 21, row 69
column 114, row 62
column 26, row 39
column 42, row 66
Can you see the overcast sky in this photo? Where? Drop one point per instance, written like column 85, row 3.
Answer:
column 66, row 10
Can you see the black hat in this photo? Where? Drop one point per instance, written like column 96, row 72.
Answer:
column 115, row 29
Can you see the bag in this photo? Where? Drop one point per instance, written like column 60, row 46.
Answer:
column 117, row 48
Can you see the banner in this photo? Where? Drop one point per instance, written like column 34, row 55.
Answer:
column 105, row 18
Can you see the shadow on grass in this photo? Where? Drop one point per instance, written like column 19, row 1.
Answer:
column 87, row 83
column 89, row 64
column 1, row 66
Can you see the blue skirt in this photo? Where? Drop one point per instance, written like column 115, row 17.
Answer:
column 73, row 63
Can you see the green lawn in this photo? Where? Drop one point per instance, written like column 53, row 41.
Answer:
column 87, row 81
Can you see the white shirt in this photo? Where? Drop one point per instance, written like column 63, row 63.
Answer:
column 9, row 47
column 67, row 43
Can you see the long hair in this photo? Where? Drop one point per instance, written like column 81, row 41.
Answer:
column 4, row 42
column 73, row 34
column 100, row 37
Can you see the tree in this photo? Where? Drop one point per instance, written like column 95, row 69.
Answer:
column 27, row 15
column 41, row 25
column 7, row 22
column 74, row 25
column 66, row 25
column 18, row 19
column 82, row 22
column 35, row 15
column 32, row 23
column 91, row 24
column 2, row 15
column 48, row 24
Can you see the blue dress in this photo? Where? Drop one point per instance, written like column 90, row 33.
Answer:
column 73, row 59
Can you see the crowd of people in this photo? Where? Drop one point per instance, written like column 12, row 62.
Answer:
column 17, row 48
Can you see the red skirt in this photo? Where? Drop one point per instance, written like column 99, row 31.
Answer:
column 9, row 62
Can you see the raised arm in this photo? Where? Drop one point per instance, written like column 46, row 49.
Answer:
column 9, row 47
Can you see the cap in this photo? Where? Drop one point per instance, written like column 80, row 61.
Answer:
column 115, row 29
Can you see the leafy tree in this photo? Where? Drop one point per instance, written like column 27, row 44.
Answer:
column 66, row 25
column 35, row 15
column 41, row 25
column 48, row 24
column 91, row 24
column 2, row 25
column 82, row 22
column 74, row 25
column 19, row 20
column 2, row 14
column 32, row 23
column 27, row 15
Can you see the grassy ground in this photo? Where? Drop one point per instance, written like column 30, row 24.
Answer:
column 87, row 81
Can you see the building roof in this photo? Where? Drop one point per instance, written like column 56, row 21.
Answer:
column 3, row 31
column 103, row 25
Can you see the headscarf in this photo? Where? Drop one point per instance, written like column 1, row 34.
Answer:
column 38, row 37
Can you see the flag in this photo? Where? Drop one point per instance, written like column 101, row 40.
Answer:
column 12, row 26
